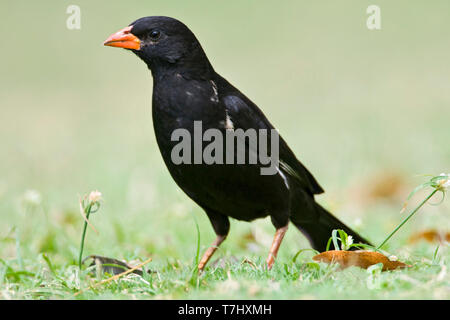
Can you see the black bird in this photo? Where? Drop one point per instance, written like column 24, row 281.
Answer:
column 186, row 89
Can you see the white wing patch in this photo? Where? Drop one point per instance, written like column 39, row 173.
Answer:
column 228, row 123
column 215, row 96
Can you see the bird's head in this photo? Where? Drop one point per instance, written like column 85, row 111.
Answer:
column 162, row 43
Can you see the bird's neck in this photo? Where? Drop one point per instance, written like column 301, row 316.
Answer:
column 196, row 66
column 187, row 71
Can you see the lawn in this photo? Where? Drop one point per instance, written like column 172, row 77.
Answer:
column 366, row 111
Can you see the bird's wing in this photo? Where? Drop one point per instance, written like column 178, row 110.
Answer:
column 244, row 114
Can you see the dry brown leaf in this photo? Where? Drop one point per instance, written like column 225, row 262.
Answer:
column 430, row 236
column 363, row 259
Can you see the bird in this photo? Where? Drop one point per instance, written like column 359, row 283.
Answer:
column 186, row 91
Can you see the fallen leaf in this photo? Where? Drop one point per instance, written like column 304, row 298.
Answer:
column 430, row 236
column 363, row 259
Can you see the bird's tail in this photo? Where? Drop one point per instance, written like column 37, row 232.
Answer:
column 319, row 231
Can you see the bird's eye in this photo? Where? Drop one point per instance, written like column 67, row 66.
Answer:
column 154, row 35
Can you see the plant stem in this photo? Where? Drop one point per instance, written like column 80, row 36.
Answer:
column 407, row 218
column 88, row 212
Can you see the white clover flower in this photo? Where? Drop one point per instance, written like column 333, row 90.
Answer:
column 95, row 196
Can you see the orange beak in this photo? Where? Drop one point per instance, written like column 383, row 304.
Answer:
column 123, row 39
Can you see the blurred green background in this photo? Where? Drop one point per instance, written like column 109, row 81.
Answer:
column 365, row 111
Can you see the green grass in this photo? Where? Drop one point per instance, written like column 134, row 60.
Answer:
column 75, row 117
column 233, row 280
column 236, row 272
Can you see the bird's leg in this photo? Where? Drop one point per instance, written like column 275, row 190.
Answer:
column 279, row 235
column 208, row 254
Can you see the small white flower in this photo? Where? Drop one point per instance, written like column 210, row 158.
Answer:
column 445, row 183
column 393, row 258
column 95, row 196
column 349, row 240
column 346, row 246
column 32, row 197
